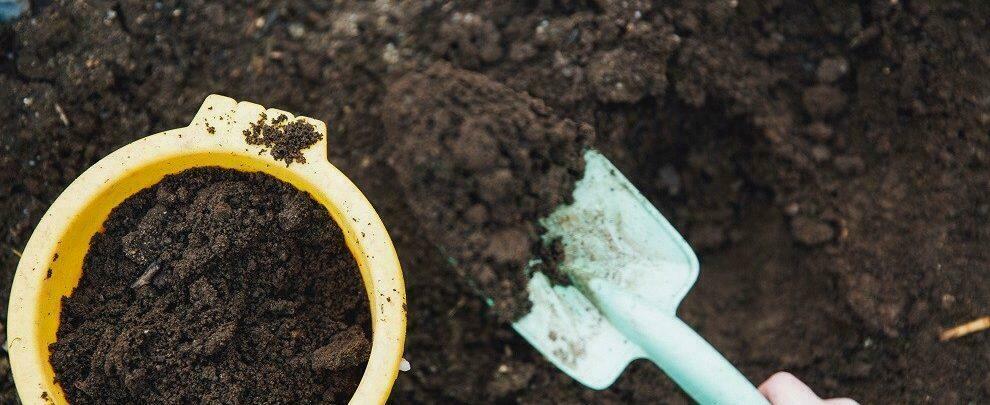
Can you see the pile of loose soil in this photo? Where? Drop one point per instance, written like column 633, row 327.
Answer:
column 480, row 164
column 215, row 286
column 829, row 161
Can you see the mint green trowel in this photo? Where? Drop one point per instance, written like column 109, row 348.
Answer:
column 629, row 269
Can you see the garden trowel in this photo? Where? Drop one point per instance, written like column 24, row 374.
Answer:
column 11, row 9
column 629, row 270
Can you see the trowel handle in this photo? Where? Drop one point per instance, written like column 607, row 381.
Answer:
column 677, row 349
column 695, row 365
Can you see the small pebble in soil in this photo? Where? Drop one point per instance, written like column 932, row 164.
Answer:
column 810, row 231
column 832, row 69
column 792, row 209
column 819, row 131
column 820, row 153
column 296, row 30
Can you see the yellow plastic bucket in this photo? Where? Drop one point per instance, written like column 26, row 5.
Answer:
column 51, row 264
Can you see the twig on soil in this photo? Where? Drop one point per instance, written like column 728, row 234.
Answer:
column 16, row 252
column 965, row 329
column 61, row 114
column 147, row 276
column 457, row 306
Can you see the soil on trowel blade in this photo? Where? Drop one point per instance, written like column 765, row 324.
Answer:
column 828, row 160
column 215, row 286
column 481, row 164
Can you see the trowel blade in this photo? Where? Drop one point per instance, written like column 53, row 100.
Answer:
column 613, row 235
column 570, row 332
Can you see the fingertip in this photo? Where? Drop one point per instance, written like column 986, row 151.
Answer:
column 779, row 379
column 785, row 388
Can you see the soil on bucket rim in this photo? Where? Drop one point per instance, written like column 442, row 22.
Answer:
column 215, row 286
column 829, row 161
column 286, row 140
column 480, row 164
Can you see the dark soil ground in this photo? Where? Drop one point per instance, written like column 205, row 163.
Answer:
column 215, row 286
column 829, row 161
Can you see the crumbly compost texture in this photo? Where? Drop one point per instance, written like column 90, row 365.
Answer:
column 481, row 164
column 285, row 139
column 215, row 286
column 827, row 160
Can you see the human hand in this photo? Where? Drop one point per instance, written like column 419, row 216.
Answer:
column 784, row 388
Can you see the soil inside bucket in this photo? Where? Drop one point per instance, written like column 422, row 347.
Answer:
column 215, row 286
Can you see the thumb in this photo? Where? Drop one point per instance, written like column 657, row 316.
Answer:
column 784, row 388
